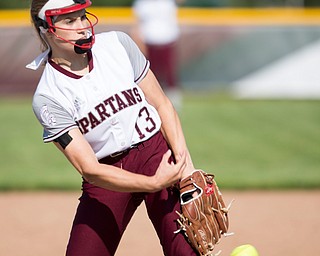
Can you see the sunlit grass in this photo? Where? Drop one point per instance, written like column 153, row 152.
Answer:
column 246, row 144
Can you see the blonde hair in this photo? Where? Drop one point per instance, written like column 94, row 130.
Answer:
column 35, row 8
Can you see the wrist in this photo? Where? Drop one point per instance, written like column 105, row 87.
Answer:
column 154, row 184
column 188, row 171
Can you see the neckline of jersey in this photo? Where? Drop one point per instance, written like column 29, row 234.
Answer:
column 69, row 73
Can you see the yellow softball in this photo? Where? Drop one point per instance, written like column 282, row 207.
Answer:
column 244, row 250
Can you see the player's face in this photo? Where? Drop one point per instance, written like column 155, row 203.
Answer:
column 72, row 27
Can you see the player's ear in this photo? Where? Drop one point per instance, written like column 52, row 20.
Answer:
column 43, row 30
column 47, row 34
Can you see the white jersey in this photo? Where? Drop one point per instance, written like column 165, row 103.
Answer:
column 158, row 20
column 106, row 104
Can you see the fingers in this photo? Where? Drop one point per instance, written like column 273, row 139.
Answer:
column 169, row 172
column 167, row 155
column 179, row 158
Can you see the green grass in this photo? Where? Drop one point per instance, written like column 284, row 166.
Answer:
column 255, row 144
column 246, row 144
column 25, row 161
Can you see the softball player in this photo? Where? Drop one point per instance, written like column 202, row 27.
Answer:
column 103, row 108
column 157, row 36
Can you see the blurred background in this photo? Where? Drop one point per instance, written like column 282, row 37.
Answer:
column 249, row 79
column 252, row 48
column 249, row 87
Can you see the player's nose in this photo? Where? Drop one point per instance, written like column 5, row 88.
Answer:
column 82, row 25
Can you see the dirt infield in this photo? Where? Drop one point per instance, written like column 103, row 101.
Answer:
column 277, row 223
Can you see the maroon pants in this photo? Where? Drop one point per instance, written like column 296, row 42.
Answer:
column 103, row 215
column 163, row 61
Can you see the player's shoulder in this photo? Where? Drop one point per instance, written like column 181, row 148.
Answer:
column 47, row 89
column 111, row 37
column 42, row 100
column 105, row 35
column 47, row 82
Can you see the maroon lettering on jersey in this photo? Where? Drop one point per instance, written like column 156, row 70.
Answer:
column 109, row 102
column 93, row 120
column 136, row 93
column 128, row 94
column 120, row 102
column 109, row 107
column 83, row 124
column 102, row 111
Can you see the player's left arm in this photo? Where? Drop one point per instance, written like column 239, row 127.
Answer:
column 171, row 127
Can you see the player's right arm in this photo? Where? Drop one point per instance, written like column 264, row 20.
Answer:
column 60, row 128
column 81, row 156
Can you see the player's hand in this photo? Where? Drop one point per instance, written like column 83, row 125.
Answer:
column 168, row 173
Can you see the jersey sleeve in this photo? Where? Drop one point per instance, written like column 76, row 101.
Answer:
column 138, row 61
column 54, row 119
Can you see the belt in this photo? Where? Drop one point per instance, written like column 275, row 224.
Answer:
column 114, row 157
column 119, row 153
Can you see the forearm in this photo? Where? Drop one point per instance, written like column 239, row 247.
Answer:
column 82, row 157
column 117, row 179
column 171, row 126
column 172, row 130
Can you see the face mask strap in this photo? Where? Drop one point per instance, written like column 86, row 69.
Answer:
column 43, row 25
column 86, row 44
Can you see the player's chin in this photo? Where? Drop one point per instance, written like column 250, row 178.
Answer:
column 69, row 48
column 70, row 45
